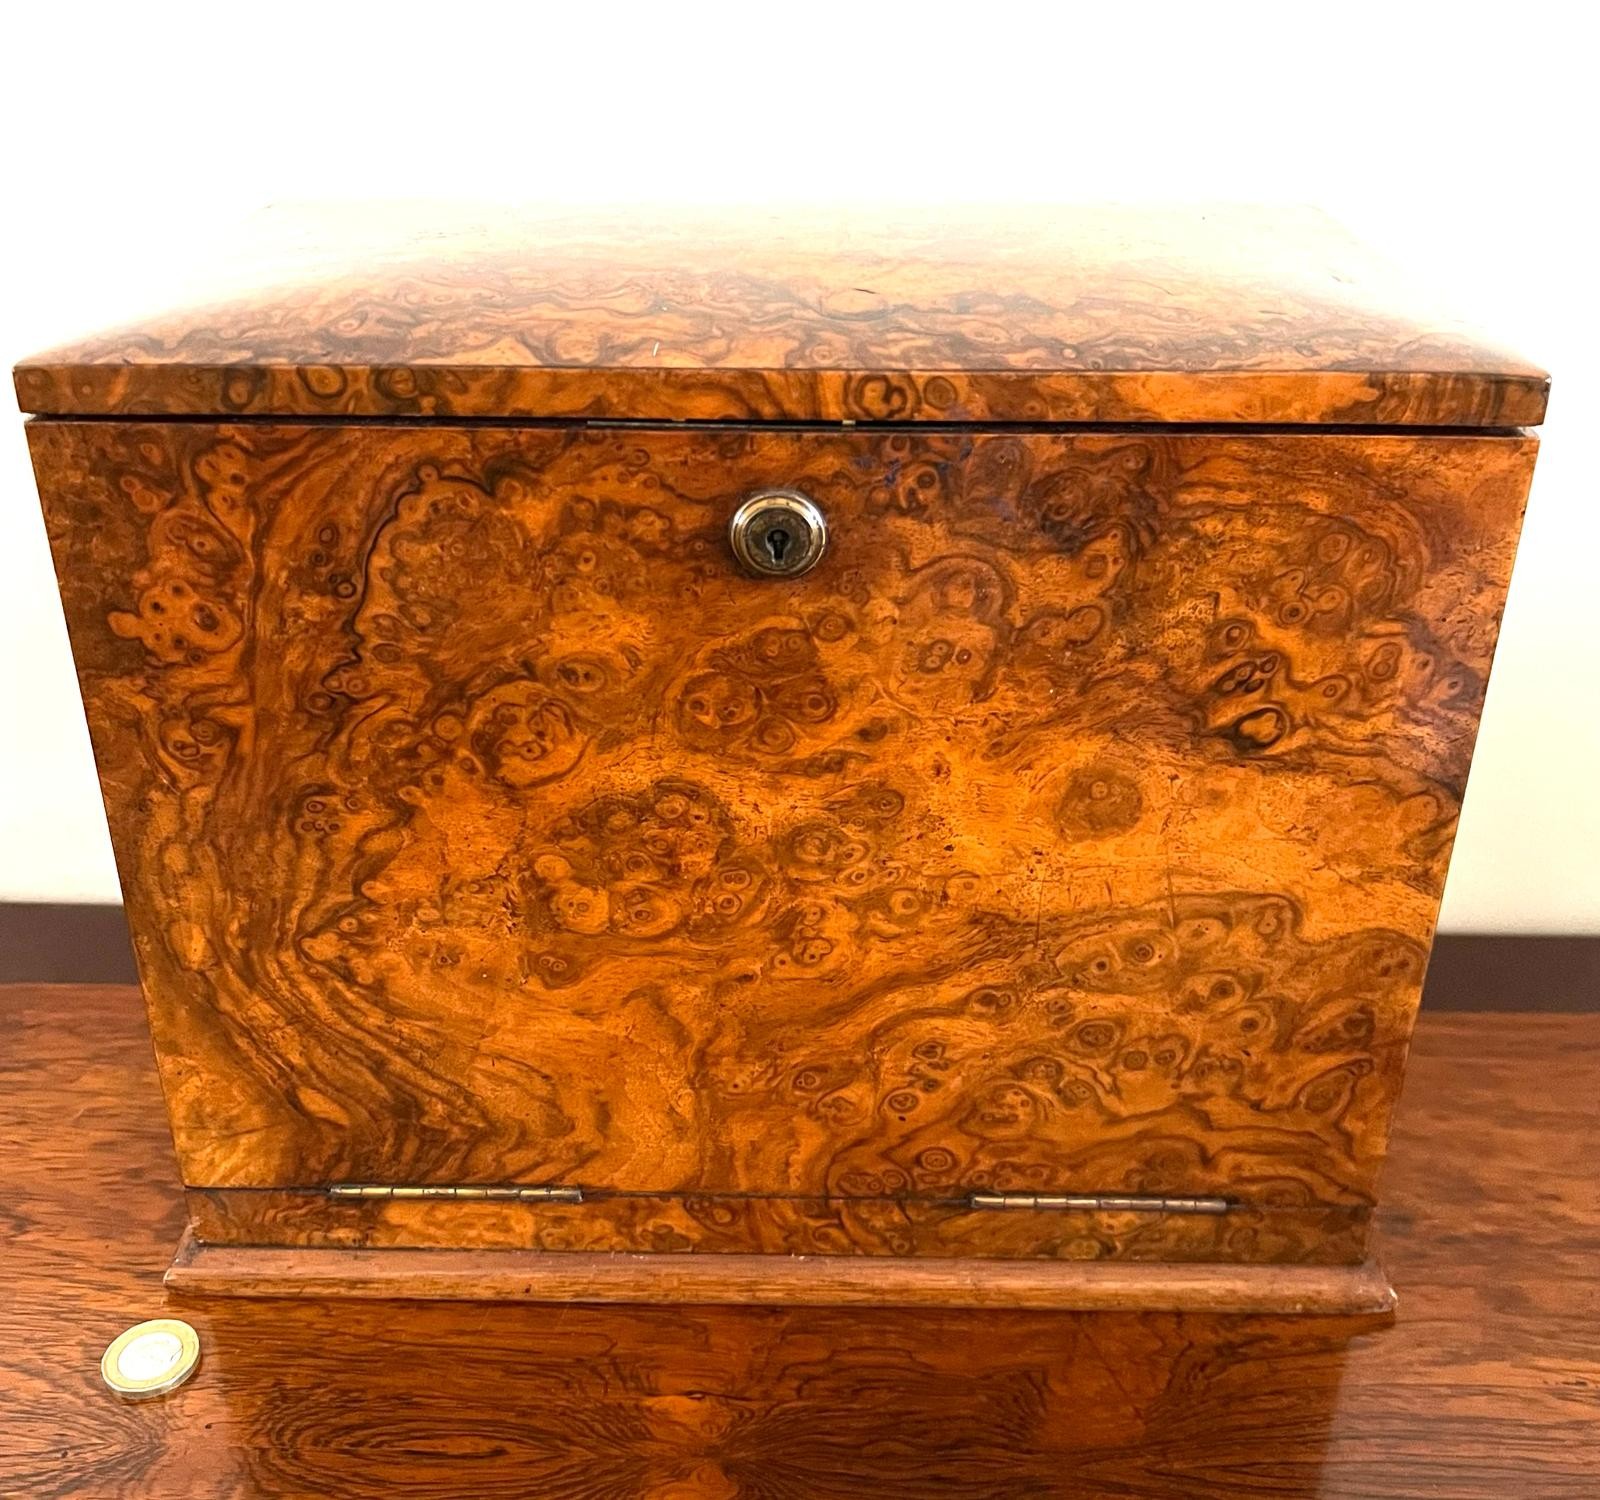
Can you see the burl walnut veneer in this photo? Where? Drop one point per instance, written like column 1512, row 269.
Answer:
column 1026, row 904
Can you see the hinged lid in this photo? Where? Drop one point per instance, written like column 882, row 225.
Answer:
column 1071, row 315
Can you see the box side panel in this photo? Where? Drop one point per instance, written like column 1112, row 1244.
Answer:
column 1078, row 824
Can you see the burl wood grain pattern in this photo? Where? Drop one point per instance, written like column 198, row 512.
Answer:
column 726, row 1224
column 1483, row 1387
column 1012, row 315
column 1077, row 825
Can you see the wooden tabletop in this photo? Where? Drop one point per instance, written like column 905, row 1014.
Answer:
column 1486, row 1384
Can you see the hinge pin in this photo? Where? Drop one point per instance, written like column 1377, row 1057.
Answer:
column 1100, row 1203
column 352, row 1190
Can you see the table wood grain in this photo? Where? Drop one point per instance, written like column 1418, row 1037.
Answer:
column 1487, row 1383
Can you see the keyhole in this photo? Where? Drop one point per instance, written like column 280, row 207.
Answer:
column 777, row 534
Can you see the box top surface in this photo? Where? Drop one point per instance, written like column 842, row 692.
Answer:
column 1096, row 315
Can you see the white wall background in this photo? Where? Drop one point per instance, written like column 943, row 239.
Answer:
column 1457, row 138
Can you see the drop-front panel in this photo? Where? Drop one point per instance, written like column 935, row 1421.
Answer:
column 1077, row 825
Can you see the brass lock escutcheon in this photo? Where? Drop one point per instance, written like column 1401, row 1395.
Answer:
column 778, row 534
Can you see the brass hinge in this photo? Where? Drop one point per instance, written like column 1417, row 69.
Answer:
column 1100, row 1203
column 346, row 1190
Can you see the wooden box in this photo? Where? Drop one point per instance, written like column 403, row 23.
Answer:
column 1026, row 904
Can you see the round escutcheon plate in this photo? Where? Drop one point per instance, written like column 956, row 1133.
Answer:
column 151, row 1358
column 778, row 534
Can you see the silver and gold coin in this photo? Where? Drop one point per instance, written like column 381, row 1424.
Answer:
column 151, row 1358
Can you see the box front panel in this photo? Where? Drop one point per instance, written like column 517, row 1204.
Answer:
column 1077, row 825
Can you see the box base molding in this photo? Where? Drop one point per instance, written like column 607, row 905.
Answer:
column 775, row 1280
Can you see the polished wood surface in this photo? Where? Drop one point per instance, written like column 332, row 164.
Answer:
column 77, row 943
column 1077, row 825
column 1485, row 1386
column 996, row 315
column 774, row 1280
column 725, row 1223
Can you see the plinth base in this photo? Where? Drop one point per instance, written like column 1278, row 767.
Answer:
column 776, row 1280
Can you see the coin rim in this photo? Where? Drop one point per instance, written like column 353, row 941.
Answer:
column 188, row 1359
